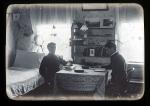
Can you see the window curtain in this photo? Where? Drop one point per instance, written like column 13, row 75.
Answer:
column 130, row 32
column 44, row 18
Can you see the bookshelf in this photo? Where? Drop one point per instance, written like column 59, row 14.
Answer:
column 88, row 45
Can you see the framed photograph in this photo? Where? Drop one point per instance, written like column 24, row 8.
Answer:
column 107, row 23
column 92, row 52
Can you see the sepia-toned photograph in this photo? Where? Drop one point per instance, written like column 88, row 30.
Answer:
column 80, row 51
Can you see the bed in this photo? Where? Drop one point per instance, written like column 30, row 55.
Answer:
column 24, row 75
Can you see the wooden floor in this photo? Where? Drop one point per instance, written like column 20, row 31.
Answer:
column 43, row 93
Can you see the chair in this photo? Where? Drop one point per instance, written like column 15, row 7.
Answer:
column 129, row 73
column 112, row 91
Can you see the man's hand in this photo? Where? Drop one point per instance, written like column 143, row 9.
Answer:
column 60, row 66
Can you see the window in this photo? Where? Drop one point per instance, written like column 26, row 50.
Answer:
column 63, row 34
column 131, row 35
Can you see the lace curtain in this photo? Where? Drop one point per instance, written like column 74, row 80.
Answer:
column 44, row 18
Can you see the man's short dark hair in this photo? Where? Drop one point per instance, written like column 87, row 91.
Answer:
column 51, row 44
column 110, row 45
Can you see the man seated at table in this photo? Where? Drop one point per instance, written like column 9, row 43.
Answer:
column 118, row 80
column 50, row 65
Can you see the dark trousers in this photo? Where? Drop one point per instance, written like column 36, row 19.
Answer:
column 115, row 89
column 49, row 84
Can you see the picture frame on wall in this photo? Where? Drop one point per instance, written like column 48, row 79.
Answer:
column 107, row 23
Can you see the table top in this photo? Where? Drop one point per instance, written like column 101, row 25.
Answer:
column 87, row 81
column 92, row 71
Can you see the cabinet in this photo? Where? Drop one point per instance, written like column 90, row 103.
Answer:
column 88, row 40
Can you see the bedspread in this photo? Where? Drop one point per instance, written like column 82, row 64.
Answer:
column 19, row 81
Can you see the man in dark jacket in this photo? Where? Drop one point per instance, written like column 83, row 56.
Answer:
column 119, row 72
column 49, row 66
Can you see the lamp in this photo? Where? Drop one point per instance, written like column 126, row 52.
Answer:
column 84, row 27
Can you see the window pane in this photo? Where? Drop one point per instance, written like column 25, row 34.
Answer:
column 132, row 38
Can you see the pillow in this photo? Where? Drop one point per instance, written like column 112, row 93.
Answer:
column 27, row 59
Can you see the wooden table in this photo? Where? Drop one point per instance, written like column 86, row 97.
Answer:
column 89, row 80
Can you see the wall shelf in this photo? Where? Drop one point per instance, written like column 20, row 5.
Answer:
column 93, row 42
